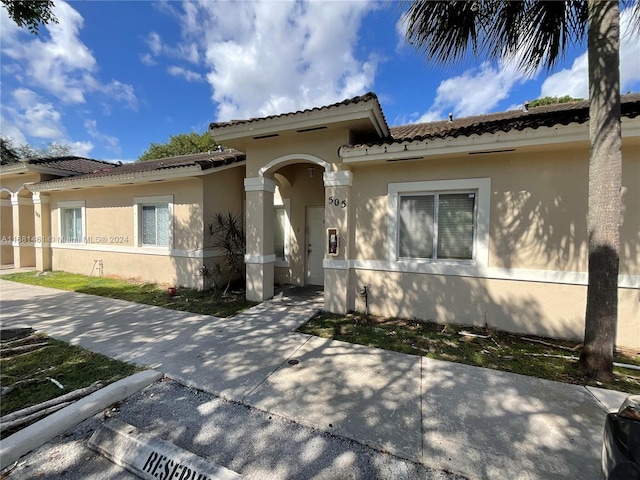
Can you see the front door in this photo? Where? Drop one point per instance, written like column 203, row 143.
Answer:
column 315, row 245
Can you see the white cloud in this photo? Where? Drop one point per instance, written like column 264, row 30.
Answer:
column 148, row 60
column 80, row 149
column 474, row 92
column 111, row 143
column 154, row 43
column 188, row 75
column 184, row 51
column 120, row 92
column 33, row 116
column 268, row 57
column 59, row 63
column 574, row 81
column 27, row 118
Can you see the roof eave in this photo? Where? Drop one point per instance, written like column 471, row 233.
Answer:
column 122, row 179
column 367, row 110
column 575, row 132
column 25, row 167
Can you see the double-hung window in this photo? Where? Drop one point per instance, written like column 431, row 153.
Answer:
column 71, row 222
column 439, row 221
column 154, row 222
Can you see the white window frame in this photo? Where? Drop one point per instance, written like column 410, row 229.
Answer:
column 71, row 206
column 482, row 189
column 286, row 203
column 138, row 203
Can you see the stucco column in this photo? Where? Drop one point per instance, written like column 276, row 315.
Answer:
column 42, row 240
column 338, row 290
column 259, row 258
column 6, row 247
column 23, row 232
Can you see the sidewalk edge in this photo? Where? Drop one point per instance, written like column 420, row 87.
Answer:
column 39, row 433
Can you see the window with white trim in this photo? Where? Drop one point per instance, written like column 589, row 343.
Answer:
column 439, row 221
column 437, row 225
column 154, row 221
column 281, row 231
column 71, row 222
column 155, row 225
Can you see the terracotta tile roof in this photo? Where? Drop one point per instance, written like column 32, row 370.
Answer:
column 546, row 116
column 367, row 97
column 204, row 161
column 70, row 163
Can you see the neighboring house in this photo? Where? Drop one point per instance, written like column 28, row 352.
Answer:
column 478, row 220
column 141, row 220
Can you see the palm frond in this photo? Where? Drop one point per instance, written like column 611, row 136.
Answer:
column 533, row 33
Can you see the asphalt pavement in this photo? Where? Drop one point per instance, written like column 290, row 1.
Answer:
column 420, row 412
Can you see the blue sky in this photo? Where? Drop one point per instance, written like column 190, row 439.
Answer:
column 114, row 76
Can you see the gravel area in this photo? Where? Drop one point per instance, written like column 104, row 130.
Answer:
column 256, row 444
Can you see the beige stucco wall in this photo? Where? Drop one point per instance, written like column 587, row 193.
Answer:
column 110, row 233
column 554, row 310
column 160, row 269
column 14, row 182
column 537, row 223
column 223, row 192
column 538, row 206
column 109, row 212
column 323, row 144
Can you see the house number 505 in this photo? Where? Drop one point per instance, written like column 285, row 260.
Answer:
column 337, row 202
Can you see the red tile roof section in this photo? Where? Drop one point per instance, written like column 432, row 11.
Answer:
column 70, row 164
column 367, row 97
column 204, row 160
column 546, row 116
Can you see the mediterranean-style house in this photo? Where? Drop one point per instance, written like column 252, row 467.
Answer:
column 478, row 220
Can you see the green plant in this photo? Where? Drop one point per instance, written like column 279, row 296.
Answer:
column 227, row 234
column 187, row 300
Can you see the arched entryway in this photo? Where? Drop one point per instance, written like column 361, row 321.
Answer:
column 285, row 224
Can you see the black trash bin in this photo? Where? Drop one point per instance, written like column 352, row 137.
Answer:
column 621, row 442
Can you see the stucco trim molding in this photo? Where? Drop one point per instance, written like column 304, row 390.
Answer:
column 293, row 158
column 131, row 250
column 259, row 184
column 341, row 178
column 23, row 244
column 260, row 259
column 332, row 264
column 17, row 200
column 39, row 199
column 492, row 273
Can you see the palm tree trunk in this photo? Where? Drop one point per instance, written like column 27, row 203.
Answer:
column 605, row 183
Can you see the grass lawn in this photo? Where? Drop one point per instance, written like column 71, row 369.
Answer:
column 187, row 299
column 26, row 375
column 527, row 355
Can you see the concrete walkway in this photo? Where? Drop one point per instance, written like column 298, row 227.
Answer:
column 477, row 422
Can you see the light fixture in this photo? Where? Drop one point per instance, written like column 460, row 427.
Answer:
column 311, row 170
